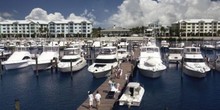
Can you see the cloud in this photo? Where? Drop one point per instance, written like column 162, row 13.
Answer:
column 1, row 19
column 5, row 15
column 106, row 10
column 40, row 14
column 37, row 14
column 142, row 12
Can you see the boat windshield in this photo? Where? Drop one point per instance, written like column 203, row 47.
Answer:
column 175, row 51
column 108, row 51
column 105, row 60
column 193, row 60
column 72, row 52
column 69, row 60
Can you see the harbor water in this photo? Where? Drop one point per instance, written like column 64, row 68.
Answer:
column 57, row 91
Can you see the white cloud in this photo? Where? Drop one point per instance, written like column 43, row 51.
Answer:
column 142, row 12
column 55, row 17
column 7, row 15
column 1, row 19
column 106, row 10
column 40, row 14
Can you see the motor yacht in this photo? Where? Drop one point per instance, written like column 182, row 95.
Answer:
column 193, row 62
column 207, row 46
column 217, row 63
column 19, row 59
column 133, row 95
column 217, row 45
column 175, row 54
column 74, row 56
column 150, row 62
column 164, row 44
column 122, row 53
column 44, row 59
column 104, row 62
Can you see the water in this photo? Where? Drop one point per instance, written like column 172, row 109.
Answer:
column 49, row 92
column 59, row 92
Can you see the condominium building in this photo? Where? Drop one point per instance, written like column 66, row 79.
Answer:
column 196, row 27
column 38, row 28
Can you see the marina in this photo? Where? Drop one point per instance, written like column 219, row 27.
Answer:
column 57, row 84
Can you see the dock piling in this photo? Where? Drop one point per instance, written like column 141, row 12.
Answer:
column 56, row 65
column 51, row 62
column 17, row 104
column 71, row 69
column 1, row 69
column 36, row 60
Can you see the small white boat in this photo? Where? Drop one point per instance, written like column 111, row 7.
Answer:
column 123, row 43
column 19, row 59
column 217, row 45
column 44, row 59
column 122, row 53
column 73, row 55
column 150, row 62
column 193, row 63
column 133, row 95
column 164, row 44
column 175, row 54
column 217, row 63
column 104, row 62
column 207, row 46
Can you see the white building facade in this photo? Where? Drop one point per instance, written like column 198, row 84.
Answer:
column 197, row 27
column 37, row 28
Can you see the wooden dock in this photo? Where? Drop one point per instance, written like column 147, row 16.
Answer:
column 106, row 102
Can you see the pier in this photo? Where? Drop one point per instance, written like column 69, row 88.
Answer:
column 106, row 102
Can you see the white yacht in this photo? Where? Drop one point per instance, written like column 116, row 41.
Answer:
column 175, row 54
column 44, row 59
column 207, row 46
column 217, row 45
column 133, row 94
column 217, row 63
column 19, row 59
column 123, row 43
column 106, row 59
column 164, row 44
column 193, row 62
column 73, row 55
column 122, row 53
column 150, row 63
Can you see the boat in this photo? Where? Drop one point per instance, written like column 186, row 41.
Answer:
column 104, row 62
column 164, row 44
column 150, row 62
column 133, row 95
column 207, row 46
column 122, row 53
column 44, row 59
column 73, row 55
column 123, row 43
column 217, row 45
column 217, row 63
column 175, row 54
column 19, row 59
column 194, row 64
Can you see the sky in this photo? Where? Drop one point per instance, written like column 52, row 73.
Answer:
column 106, row 13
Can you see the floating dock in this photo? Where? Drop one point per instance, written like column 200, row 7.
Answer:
column 106, row 102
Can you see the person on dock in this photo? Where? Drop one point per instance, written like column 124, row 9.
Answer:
column 98, row 99
column 91, row 98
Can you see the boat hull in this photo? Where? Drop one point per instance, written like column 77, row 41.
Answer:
column 65, row 69
column 150, row 73
column 192, row 73
column 102, row 74
column 41, row 66
column 19, row 65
